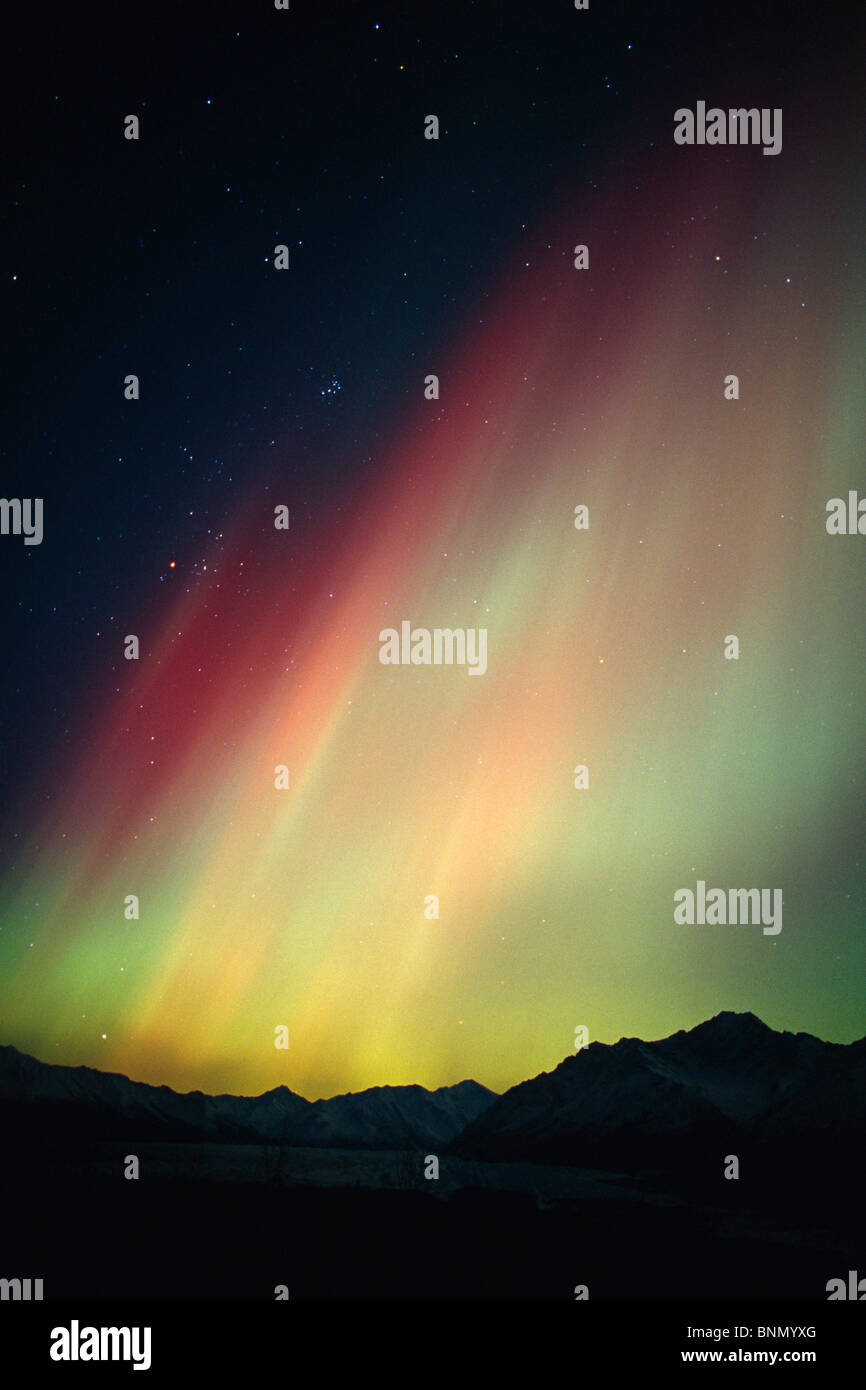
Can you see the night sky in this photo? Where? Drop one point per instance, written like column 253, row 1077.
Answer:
column 305, row 388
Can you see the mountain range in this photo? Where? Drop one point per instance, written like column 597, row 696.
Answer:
column 729, row 1081
column 38, row 1096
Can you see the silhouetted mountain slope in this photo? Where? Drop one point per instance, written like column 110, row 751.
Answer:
column 40, row 1096
column 730, row 1085
column 395, row 1116
column 638, row 1104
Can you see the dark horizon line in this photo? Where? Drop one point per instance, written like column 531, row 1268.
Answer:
column 723, row 1014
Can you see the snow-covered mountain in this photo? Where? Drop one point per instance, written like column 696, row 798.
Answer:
column 629, row 1106
column 396, row 1116
column 40, row 1096
column 731, row 1079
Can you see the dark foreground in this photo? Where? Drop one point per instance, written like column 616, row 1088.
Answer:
column 180, row 1232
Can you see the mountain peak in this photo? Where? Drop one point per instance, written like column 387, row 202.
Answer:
column 730, row 1022
column 641, row 1102
column 726, row 1032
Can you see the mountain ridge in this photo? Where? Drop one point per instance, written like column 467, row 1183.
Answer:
column 111, row 1103
column 730, row 1078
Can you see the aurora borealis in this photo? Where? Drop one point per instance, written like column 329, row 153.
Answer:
column 305, row 907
